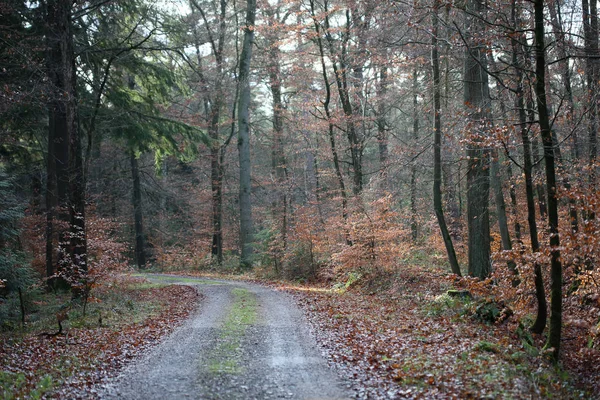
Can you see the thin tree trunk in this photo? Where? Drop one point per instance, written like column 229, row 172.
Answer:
column 246, row 230
column 51, row 200
column 382, row 135
column 565, row 72
column 330, row 130
column 317, row 175
column 140, row 254
column 78, row 234
column 496, row 182
column 341, row 80
column 213, row 106
column 512, row 190
column 590, row 29
column 518, row 63
column 414, row 227
column 437, row 131
column 554, row 335
column 537, row 160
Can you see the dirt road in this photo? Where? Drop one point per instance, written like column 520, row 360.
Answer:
column 244, row 342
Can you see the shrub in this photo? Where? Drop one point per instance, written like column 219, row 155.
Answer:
column 16, row 276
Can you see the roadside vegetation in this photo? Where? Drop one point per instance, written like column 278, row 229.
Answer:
column 126, row 316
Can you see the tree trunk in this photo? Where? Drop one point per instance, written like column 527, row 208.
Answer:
column 140, row 254
column 66, row 160
column 518, row 63
column 437, row 131
column 51, row 199
column 341, row 79
column 246, row 230
column 590, row 29
column 278, row 161
column 382, row 135
column 537, row 160
column 496, row 181
column 565, row 72
column 78, row 236
column 554, row 335
column 330, row 130
column 414, row 227
column 476, row 98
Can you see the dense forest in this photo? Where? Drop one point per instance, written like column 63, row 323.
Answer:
column 329, row 141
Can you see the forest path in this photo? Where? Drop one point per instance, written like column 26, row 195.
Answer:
column 245, row 341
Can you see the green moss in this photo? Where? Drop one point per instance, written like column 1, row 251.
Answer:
column 244, row 312
column 11, row 385
column 485, row 346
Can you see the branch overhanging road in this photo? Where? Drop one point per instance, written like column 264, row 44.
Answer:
column 245, row 341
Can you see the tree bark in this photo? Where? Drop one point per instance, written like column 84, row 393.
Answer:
column 496, row 181
column 414, row 227
column 437, row 131
column 476, row 98
column 278, row 161
column 65, row 164
column 382, row 135
column 555, row 330
column 138, row 221
column 590, row 29
column 213, row 104
column 519, row 65
column 51, row 200
column 246, row 229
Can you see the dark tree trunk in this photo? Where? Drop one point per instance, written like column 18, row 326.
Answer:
column 554, row 335
column 476, row 98
column 590, row 29
column 414, row 227
column 138, row 220
column 246, row 229
column 537, row 160
column 213, row 105
column 51, row 200
column 78, row 242
column 65, row 164
column 519, row 65
column 437, row 131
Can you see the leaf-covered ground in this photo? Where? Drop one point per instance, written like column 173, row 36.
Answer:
column 409, row 342
column 68, row 366
column 404, row 340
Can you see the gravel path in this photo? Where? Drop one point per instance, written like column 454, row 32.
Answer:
column 244, row 342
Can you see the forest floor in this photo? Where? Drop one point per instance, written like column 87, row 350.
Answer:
column 411, row 340
column 126, row 317
column 403, row 338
